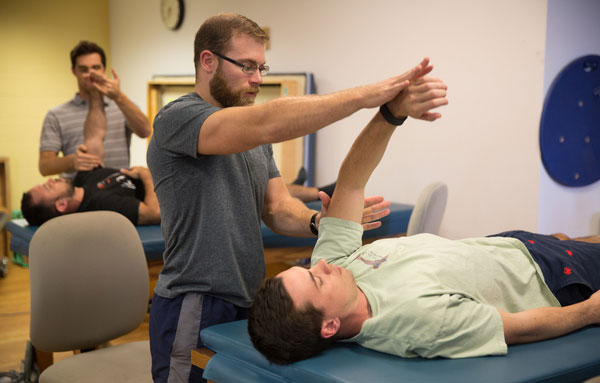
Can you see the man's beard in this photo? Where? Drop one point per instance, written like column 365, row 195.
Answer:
column 227, row 97
column 70, row 190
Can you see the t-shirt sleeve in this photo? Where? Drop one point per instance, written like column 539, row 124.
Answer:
column 272, row 166
column 177, row 126
column 449, row 326
column 338, row 238
column 468, row 329
column 50, row 139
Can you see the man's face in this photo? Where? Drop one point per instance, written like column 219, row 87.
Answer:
column 51, row 191
column 327, row 287
column 86, row 65
column 229, row 85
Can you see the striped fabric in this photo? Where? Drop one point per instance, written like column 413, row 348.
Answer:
column 63, row 132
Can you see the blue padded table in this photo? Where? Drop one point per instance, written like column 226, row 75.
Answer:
column 278, row 245
column 571, row 358
column 21, row 234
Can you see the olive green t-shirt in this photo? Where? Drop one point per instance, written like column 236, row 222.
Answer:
column 432, row 296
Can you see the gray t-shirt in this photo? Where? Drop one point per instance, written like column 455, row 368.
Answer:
column 210, row 205
column 432, row 296
column 62, row 131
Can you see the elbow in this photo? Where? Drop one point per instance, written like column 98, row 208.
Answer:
column 149, row 219
column 516, row 330
column 44, row 169
column 145, row 131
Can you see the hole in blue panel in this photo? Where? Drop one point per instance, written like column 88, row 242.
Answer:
column 590, row 66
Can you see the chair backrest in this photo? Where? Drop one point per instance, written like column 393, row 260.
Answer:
column 429, row 210
column 89, row 281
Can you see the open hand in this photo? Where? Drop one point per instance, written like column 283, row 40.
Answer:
column 108, row 87
column 375, row 209
column 85, row 161
column 419, row 98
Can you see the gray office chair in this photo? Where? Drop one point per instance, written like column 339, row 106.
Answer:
column 429, row 210
column 89, row 285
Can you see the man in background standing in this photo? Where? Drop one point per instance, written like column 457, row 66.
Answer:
column 99, row 100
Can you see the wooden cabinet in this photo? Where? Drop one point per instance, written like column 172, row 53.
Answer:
column 4, row 203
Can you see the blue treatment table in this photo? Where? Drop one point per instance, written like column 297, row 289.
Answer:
column 21, row 234
column 571, row 358
column 278, row 247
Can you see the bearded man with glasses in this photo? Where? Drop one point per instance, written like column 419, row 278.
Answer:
column 215, row 178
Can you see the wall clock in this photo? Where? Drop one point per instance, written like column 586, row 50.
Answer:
column 171, row 12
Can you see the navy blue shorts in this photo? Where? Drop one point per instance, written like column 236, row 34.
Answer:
column 175, row 326
column 571, row 268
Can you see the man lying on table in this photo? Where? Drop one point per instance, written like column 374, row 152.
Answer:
column 126, row 191
column 422, row 295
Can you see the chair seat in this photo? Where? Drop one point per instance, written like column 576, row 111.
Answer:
column 107, row 365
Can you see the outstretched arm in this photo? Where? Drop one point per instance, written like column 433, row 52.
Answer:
column 423, row 94
column 549, row 322
column 237, row 129
column 88, row 155
column 94, row 130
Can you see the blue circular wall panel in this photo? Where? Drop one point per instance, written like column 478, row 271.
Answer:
column 570, row 124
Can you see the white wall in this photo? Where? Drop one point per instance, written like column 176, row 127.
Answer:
column 490, row 53
column 573, row 31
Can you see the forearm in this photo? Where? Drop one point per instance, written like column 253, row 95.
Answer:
column 136, row 120
column 364, row 156
column 237, row 129
column 299, row 116
column 50, row 163
column 546, row 322
column 290, row 217
column 283, row 213
column 94, row 127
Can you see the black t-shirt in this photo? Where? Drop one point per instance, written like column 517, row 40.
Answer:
column 109, row 189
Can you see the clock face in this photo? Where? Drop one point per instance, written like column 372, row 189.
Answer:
column 171, row 12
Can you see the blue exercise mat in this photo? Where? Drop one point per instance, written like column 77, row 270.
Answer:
column 570, row 124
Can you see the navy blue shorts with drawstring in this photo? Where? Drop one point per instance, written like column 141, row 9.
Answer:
column 571, row 268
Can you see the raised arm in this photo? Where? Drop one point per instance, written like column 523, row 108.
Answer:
column 94, row 128
column 88, row 155
column 423, row 94
column 549, row 322
column 237, row 129
column 291, row 217
column 136, row 120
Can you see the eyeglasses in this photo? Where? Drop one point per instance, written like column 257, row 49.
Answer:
column 246, row 68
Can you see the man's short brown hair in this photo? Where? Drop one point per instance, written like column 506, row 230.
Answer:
column 216, row 32
column 36, row 214
column 281, row 332
column 86, row 48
